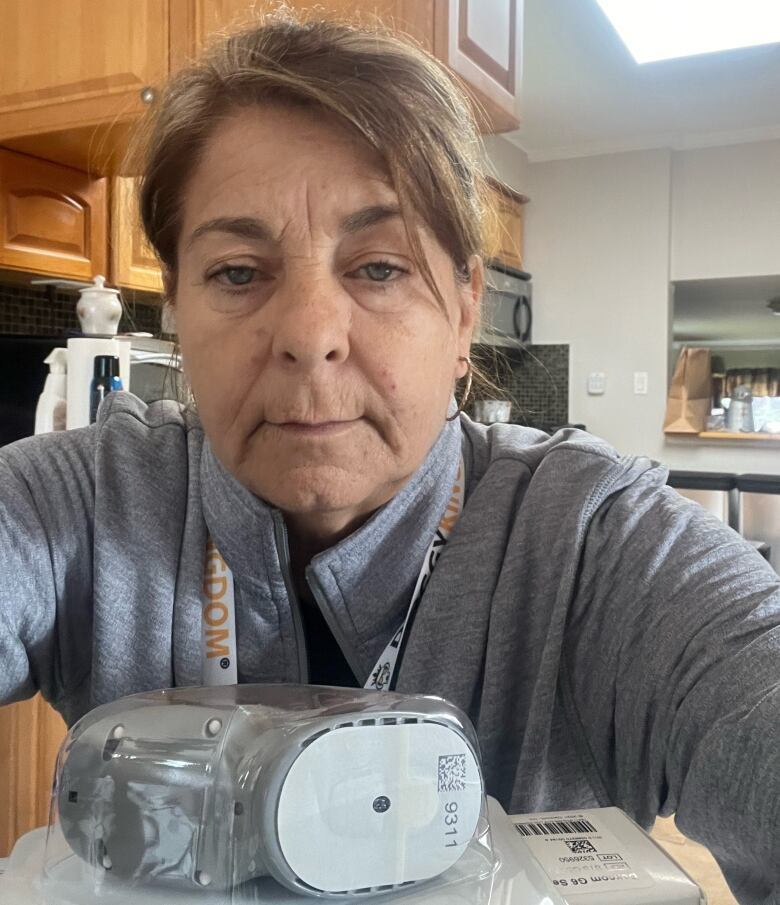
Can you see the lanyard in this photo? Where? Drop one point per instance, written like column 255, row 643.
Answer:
column 218, row 621
column 220, row 666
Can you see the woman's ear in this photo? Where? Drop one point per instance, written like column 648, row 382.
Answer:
column 169, row 285
column 471, row 298
column 169, row 301
column 168, row 319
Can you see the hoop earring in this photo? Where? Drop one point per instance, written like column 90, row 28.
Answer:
column 464, row 398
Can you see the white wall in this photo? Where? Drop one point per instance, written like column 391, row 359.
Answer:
column 506, row 162
column 726, row 211
column 601, row 235
column 597, row 244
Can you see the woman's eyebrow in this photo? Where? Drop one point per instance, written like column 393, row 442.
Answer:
column 369, row 216
column 243, row 227
column 257, row 230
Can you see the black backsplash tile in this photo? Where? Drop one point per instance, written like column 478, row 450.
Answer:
column 536, row 379
column 32, row 311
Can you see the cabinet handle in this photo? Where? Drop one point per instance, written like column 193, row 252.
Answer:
column 148, row 95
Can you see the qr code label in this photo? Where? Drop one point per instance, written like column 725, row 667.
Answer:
column 580, row 846
column 452, row 773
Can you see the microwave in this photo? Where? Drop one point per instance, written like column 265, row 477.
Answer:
column 506, row 318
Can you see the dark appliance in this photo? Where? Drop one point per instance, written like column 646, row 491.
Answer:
column 506, row 307
column 759, row 512
column 22, row 375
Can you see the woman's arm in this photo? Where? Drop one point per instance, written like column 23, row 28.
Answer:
column 46, row 511
column 673, row 669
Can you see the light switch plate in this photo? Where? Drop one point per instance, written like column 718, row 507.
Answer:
column 640, row 383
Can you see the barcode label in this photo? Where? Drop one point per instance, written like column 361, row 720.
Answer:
column 452, row 773
column 555, row 828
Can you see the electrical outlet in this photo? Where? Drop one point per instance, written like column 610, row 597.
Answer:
column 640, row 383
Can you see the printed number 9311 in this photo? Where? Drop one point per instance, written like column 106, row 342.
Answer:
column 451, row 823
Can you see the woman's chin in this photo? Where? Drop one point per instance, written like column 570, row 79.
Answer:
column 331, row 480
column 321, row 489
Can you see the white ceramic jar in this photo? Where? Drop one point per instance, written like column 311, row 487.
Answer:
column 99, row 309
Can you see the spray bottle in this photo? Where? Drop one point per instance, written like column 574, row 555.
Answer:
column 50, row 412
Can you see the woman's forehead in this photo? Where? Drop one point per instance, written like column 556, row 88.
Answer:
column 282, row 161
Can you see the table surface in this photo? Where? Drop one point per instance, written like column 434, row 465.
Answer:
column 696, row 860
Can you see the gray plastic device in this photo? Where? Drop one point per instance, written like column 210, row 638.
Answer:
column 330, row 791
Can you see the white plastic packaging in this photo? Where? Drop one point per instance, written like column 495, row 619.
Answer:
column 270, row 791
column 600, row 856
column 280, row 794
column 516, row 879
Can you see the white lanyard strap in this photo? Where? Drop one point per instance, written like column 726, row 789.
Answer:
column 219, row 623
column 383, row 675
column 220, row 665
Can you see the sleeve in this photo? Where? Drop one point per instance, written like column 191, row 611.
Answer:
column 46, row 508
column 672, row 657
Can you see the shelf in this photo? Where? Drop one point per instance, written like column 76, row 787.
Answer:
column 728, row 436
column 741, row 435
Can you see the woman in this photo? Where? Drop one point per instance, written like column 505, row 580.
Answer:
column 314, row 195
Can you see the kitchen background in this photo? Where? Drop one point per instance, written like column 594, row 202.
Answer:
column 654, row 216
column 643, row 201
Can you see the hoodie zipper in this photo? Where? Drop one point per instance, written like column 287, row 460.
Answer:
column 335, row 629
column 283, row 548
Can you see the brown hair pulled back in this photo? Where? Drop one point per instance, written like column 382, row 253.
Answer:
column 396, row 96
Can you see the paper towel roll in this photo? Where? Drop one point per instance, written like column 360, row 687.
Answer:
column 81, row 369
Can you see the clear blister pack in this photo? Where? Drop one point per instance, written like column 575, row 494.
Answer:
column 269, row 794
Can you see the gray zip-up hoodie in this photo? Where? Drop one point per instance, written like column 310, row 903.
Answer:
column 612, row 643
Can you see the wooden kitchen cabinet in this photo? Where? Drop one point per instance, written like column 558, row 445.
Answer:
column 53, row 219
column 504, row 239
column 69, row 66
column 133, row 263
column 481, row 41
column 194, row 22
column 31, row 733
column 413, row 17
column 76, row 75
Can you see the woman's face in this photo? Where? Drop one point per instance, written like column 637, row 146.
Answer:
column 321, row 363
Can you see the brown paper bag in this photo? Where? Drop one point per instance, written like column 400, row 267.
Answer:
column 690, row 394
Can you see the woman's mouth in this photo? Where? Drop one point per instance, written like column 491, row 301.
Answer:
column 316, row 428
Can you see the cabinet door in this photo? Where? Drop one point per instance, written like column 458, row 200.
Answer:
column 31, row 733
column 52, row 218
column 412, row 17
column 133, row 263
column 504, row 240
column 481, row 41
column 66, row 64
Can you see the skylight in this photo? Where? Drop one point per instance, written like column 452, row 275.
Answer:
column 666, row 29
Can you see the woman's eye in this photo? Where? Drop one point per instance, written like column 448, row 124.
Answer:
column 236, row 276
column 380, row 271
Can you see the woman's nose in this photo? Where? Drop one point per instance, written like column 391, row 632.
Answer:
column 311, row 323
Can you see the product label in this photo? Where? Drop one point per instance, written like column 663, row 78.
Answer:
column 580, row 855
